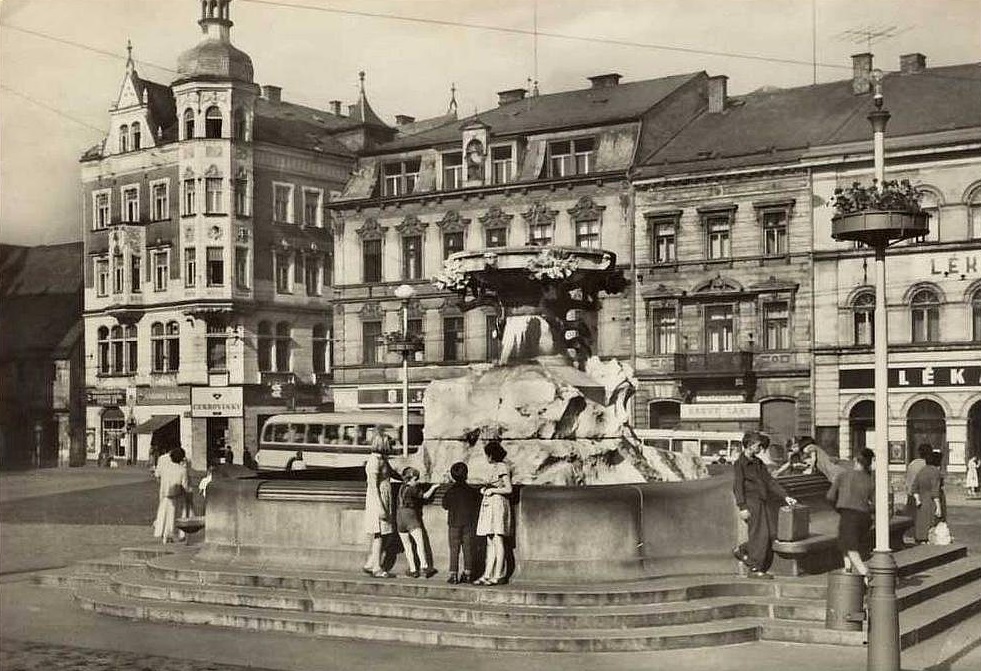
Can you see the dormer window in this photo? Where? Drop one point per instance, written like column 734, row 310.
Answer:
column 212, row 123
column 570, row 157
column 452, row 170
column 188, row 124
column 400, row 177
column 135, row 129
column 123, row 139
column 501, row 164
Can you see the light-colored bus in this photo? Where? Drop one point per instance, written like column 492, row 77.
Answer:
column 331, row 439
column 712, row 446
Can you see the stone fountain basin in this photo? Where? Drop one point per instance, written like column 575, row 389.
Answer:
column 190, row 525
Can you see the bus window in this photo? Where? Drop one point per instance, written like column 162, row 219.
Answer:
column 279, row 433
column 365, row 433
column 349, row 434
column 415, row 434
column 267, row 433
column 314, row 432
column 331, row 433
column 688, row 446
column 711, row 448
column 660, row 443
column 296, row 433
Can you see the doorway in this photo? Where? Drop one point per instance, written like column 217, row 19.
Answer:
column 217, row 430
column 926, row 423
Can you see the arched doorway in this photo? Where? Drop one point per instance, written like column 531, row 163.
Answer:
column 113, row 434
column 861, row 427
column 926, row 423
column 973, row 431
column 663, row 415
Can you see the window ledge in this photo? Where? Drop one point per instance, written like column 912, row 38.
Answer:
column 109, row 375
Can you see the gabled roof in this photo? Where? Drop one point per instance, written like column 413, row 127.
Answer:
column 423, row 125
column 779, row 126
column 568, row 109
column 161, row 105
column 35, row 271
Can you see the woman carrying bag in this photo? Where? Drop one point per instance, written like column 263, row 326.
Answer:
column 173, row 494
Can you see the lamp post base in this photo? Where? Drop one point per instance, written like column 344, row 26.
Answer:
column 883, row 613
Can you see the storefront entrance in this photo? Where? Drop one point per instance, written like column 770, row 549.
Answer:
column 217, row 429
column 113, row 435
column 861, row 427
column 926, row 423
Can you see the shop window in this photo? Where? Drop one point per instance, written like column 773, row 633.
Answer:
column 778, row 419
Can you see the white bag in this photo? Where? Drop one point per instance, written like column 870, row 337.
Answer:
column 940, row 534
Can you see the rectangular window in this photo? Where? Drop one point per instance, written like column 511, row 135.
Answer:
column 118, row 273
column 131, row 205
column 864, row 327
column 496, row 237
column 452, row 170
column 298, row 265
column 190, row 267
column 976, row 317
column 312, row 207
column 926, row 324
column 415, row 331
column 776, row 326
column 371, row 342
column 452, row 243
column 663, row 241
column 216, row 267
column 774, row 232
column 501, row 165
column 283, row 264
column 242, row 267
column 492, row 338
column 399, row 179
column 588, row 234
column 328, row 275
column 161, row 268
column 664, row 330
column 312, row 271
column 161, row 207
column 540, row 232
column 136, row 273
column 101, row 217
column 216, row 348
column 718, row 328
column 190, row 198
column 242, row 198
column 452, row 338
column 717, row 237
column 213, row 196
column 283, row 203
column 102, row 276
column 372, row 257
column 412, row 257
column 570, row 157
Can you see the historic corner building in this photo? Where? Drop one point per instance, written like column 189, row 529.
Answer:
column 538, row 169
column 744, row 327
column 208, row 253
column 933, row 285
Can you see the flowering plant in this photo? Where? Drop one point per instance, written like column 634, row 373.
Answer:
column 453, row 277
column 890, row 195
column 550, row 265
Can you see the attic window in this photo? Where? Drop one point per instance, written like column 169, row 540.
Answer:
column 136, row 135
column 399, row 179
column 570, row 157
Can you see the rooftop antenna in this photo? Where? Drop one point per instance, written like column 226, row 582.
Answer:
column 871, row 34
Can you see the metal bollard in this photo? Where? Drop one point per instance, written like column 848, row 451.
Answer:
column 846, row 610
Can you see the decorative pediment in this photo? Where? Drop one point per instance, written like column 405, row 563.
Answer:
column 416, row 310
column 586, row 209
column 371, row 230
column 719, row 285
column 370, row 311
column 212, row 171
column 452, row 222
column 539, row 213
column 772, row 284
column 662, row 291
column 188, row 173
column 411, row 225
column 495, row 218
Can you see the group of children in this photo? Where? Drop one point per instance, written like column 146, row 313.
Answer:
column 470, row 512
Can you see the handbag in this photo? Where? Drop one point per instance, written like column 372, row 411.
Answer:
column 175, row 491
column 940, row 534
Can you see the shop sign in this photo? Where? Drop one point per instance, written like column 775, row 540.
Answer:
column 163, row 395
column 389, row 397
column 105, row 397
column 955, row 265
column 912, row 377
column 216, row 402
column 720, row 411
column 286, row 394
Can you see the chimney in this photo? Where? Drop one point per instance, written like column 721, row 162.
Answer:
column 352, row 110
column 272, row 93
column 403, row 119
column 717, row 93
column 605, row 81
column 510, row 96
column 335, row 107
column 910, row 64
column 861, row 74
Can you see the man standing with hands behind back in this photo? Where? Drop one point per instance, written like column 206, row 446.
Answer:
column 756, row 491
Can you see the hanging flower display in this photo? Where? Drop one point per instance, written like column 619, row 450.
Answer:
column 452, row 277
column 549, row 265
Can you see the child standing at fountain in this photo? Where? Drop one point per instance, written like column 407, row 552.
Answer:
column 410, row 525
column 494, row 520
column 462, row 503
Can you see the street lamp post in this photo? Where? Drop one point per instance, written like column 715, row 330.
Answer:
column 404, row 292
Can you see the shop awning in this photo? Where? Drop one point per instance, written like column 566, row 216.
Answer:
column 155, row 422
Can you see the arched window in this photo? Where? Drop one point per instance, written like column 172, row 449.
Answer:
column 103, row 354
column 926, row 423
column 135, row 129
column 925, row 316
column 122, row 350
column 974, row 214
column 976, row 316
column 166, row 347
column 188, row 123
column 321, row 349
column 863, row 318
column 238, row 124
column 130, row 339
column 861, row 426
column 265, row 346
column 116, row 349
column 283, row 342
column 664, row 415
column 123, row 139
column 930, row 204
column 212, row 122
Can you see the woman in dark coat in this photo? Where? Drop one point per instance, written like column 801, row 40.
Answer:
column 927, row 490
column 852, row 493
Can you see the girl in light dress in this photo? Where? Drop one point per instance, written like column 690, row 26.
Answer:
column 494, row 520
column 174, row 487
column 379, row 507
column 971, row 477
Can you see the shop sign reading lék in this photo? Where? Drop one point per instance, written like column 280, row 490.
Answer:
column 912, row 377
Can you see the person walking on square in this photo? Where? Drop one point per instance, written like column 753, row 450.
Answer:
column 755, row 491
column 971, row 479
column 412, row 530
column 379, row 508
column 172, row 495
column 852, row 495
column 462, row 503
column 927, row 492
column 494, row 521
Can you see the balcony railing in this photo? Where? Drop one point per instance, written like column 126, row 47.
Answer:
column 713, row 364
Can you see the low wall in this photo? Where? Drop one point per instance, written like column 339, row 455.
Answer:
column 581, row 534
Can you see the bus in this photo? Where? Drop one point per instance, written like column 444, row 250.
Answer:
column 713, row 447
column 331, row 439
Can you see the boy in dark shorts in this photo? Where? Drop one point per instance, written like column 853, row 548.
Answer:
column 462, row 503
column 410, row 525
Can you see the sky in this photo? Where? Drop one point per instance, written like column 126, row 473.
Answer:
column 62, row 61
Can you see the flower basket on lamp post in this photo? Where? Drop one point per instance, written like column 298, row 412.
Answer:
column 406, row 345
column 879, row 213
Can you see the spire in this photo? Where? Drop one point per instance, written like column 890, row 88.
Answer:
column 452, row 107
column 129, row 55
column 215, row 21
column 362, row 110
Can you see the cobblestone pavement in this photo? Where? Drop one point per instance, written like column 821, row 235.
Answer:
column 26, row 656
